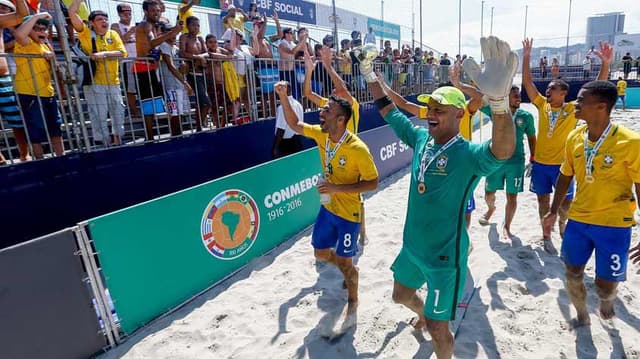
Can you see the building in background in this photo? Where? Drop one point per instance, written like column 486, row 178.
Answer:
column 604, row 27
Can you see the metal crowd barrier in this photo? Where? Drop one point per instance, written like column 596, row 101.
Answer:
column 223, row 96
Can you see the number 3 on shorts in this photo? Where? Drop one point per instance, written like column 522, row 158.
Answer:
column 616, row 262
column 347, row 240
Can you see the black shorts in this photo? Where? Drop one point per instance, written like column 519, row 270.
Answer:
column 199, row 87
column 148, row 85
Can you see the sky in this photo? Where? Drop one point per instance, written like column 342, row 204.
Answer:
column 546, row 20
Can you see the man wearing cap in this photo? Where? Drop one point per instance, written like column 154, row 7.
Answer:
column 466, row 125
column 445, row 170
column 11, row 15
column 103, row 95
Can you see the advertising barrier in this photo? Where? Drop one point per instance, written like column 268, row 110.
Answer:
column 45, row 305
column 158, row 254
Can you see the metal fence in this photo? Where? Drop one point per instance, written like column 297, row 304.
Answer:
column 135, row 100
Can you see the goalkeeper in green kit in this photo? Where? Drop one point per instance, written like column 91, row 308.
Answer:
column 445, row 170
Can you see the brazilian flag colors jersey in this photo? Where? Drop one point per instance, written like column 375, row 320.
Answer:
column 434, row 231
column 549, row 150
column 351, row 163
column 608, row 201
column 523, row 121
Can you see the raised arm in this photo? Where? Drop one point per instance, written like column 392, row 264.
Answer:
column 606, row 55
column 527, row 81
column 14, row 18
column 22, row 33
column 188, row 6
column 76, row 21
column 290, row 116
column 326, row 56
column 309, row 66
column 279, row 33
column 476, row 96
column 495, row 82
column 400, row 101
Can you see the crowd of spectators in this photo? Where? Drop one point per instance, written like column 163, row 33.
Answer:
column 138, row 68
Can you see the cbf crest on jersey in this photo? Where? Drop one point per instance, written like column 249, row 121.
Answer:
column 441, row 162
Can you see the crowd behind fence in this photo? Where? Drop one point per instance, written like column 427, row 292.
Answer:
column 221, row 93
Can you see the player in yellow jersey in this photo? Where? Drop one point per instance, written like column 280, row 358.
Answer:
column 556, row 119
column 340, row 89
column 348, row 170
column 466, row 125
column 621, row 85
column 604, row 158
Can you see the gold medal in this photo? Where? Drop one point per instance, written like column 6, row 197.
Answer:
column 589, row 179
column 549, row 134
column 421, row 187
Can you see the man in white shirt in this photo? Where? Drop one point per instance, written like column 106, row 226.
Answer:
column 286, row 140
column 370, row 37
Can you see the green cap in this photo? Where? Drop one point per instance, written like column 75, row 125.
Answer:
column 446, row 95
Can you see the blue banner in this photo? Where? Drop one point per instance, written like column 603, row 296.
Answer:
column 292, row 10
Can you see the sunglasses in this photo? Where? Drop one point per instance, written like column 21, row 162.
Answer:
column 40, row 28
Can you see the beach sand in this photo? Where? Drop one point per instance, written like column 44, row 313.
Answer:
column 281, row 304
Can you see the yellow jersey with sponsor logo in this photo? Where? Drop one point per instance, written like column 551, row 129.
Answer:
column 466, row 127
column 351, row 163
column 608, row 201
column 354, row 121
column 550, row 150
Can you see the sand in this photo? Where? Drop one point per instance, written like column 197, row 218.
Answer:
column 281, row 304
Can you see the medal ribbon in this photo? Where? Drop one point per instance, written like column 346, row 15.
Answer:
column 329, row 153
column 590, row 154
column 554, row 117
column 424, row 164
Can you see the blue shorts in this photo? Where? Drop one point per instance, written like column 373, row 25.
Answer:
column 471, row 205
column 621, row 97
column 36, row 129
column 331, row 231
column 544, row 177
column 611, row 245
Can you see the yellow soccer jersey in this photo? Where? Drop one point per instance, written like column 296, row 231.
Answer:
column 110, row 41
column 352, row 163
column 622, row 87
column 550, row 150
column 466, row 127
column 184, row 15
column 354, row 122
column 608, row 201
column 33, row 75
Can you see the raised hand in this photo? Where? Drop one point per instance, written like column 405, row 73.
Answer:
column 454, row 75
column 309, row 65
column 527, row 45
column 500, row 66
column 605, row 53
column 281, row 89
column 326, row 54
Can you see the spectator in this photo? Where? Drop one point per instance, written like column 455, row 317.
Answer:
column 128, row 36
column 148, row 38
column 254, row 15
column 266, row 66
column 321, row 81
column 232, row 21
column 638, row 68
column 621, row 85
column 445, row 60
column 35, row 88
column 162, row 19
column 586, row 68
column 103, row 95
column 11, row 15
column 356, row 35
column 543, row 67
column 185, row 11
column 370, row 37
column 194, row 50
column 216, row 80
column 418, row 56
column 243, row 59
column 358, row 80
column 176, row 88
column 286, row 66
column 286, row 140
column 626, row 65
column 344, row 61
column 555, row 68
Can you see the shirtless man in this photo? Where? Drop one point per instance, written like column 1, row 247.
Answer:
column 148, row 38
column 266, row 63
column 286, row 66
column 11, row 15
column 192, row 47
column 215, row 85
